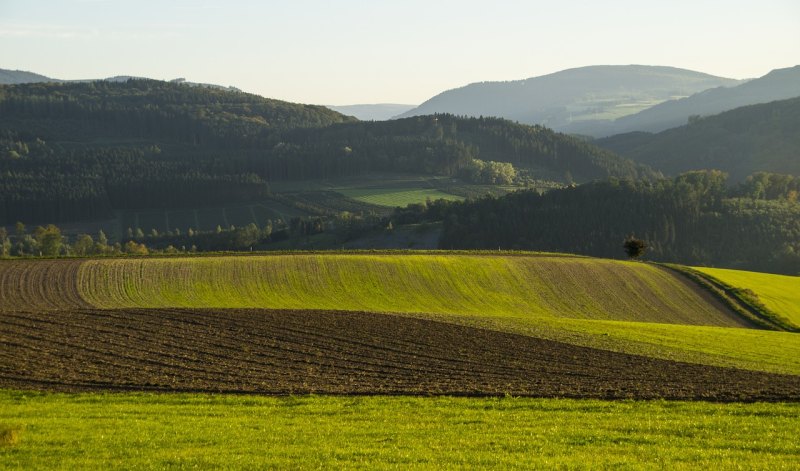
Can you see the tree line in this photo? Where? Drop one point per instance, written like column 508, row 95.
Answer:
column 694, row 218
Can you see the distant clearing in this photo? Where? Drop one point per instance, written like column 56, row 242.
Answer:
column 394, row 197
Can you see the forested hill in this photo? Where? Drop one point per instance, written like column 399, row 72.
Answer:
column 740, row 142
column 80, row 150
column 692, row 219
column 143, row 108
column 8, row 77
column 443, row 144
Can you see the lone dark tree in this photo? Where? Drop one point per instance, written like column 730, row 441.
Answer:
column 634, row 247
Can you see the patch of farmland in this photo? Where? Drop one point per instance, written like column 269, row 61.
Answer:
column 393, row 197
column 275, row 352
column 533, row 286
column 43, row 285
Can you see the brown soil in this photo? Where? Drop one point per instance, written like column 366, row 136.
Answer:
column 283, row 352
column 40, row 285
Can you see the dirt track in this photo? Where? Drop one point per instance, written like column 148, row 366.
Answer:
column 281, row 352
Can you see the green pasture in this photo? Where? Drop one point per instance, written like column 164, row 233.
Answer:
column 779, row 293
column 155, row 431
column 393, row 197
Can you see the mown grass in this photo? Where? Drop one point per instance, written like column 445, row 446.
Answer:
column 135, row 431
column 779, row 293
column 394, row 197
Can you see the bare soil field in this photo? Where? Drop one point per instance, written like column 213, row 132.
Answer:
column 40, row 285
column 334, row 352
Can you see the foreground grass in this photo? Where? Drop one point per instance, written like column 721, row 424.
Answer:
column 779, row 293
column 124, row 431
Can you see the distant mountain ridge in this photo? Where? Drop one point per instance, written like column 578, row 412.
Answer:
column 13, row 77
column 18, row 77
column 742, row 141
column 779, row 84
column 592, row 95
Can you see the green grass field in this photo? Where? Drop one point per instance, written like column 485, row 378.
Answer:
column 151, row 431
column 779, row 293
column 393, row 197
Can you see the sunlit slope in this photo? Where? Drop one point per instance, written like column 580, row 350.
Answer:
column 779, row 293
column 517, row 286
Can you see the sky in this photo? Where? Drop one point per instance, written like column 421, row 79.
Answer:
column 339, row 52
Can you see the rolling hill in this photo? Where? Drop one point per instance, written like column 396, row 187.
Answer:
column 80, row 151
column 574, row 100
column 628, row 308
column 740, row 142
column 779, row 84
column 11, row 77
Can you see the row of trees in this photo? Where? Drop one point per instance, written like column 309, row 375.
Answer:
column 48, row 241
column 692, row 219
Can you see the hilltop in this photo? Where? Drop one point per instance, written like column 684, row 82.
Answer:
column 573, row 100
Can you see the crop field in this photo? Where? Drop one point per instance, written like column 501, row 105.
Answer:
column 302, row 352
column 625, row 307
column 176, row 362
column 171, row 431
column 779, row 293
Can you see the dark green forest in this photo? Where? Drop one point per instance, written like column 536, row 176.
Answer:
column 78, row 151
column 694, row 218
column 740, row 142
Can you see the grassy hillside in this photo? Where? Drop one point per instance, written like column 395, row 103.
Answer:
column 507, row 286
column 779, row 293
column 620, row 306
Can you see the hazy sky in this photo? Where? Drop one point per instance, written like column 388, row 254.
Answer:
column 382, row 51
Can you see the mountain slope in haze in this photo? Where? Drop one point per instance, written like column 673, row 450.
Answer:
column 376, row 112
column 11, row 77
column 740, row 142
column 780, row 84
column 594, row 95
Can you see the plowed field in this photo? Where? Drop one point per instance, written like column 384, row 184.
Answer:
column 279, row 352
